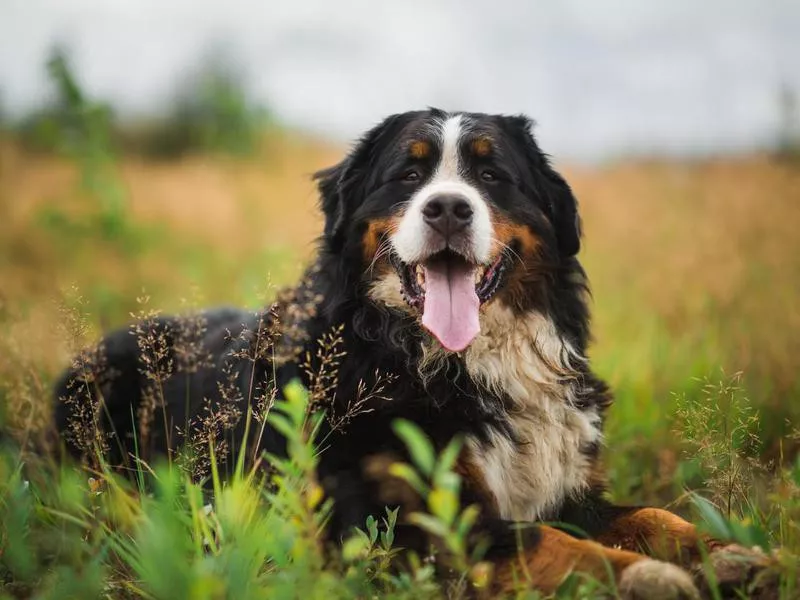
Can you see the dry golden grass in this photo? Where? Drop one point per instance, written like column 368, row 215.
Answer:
column 711, row 249
column 240, row 207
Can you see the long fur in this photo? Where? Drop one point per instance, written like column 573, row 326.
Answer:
column 522, row 395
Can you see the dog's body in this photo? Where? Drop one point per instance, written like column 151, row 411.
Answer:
column 446, row 292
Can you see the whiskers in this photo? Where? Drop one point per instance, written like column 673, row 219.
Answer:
column 384, row 250
column 507, row 248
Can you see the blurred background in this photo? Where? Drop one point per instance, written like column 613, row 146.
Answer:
column 157, row 156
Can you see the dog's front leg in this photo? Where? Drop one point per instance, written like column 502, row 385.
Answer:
column 656, row 532
column 542, row 557
column 666, row 536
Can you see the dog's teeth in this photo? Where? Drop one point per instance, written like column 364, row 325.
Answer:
column 419, row 275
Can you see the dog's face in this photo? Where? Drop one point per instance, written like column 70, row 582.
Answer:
column 462, row 208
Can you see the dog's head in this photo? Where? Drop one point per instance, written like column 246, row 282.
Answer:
column 454, row 210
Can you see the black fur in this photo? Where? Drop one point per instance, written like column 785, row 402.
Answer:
column 377, row 339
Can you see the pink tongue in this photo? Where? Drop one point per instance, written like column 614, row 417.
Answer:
column 451, row 304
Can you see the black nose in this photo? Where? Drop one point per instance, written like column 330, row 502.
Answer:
column 447, row 213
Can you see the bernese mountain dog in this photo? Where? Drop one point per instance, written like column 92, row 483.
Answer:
column 446, row 291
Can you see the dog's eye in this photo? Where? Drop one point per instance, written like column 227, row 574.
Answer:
column 411, row 175
column 488, row 175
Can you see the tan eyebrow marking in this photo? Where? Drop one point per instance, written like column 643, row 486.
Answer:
column 419, row 149
column 482, row 146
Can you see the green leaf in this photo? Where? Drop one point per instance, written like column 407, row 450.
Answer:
column 389, row 522
column 296, row 402
column 406, row 472
column 372, row 528
column 796, row 471
column 749, row 535
column 449, row 481
column 429, row 523
column 447, row 459
column 467, row 519
column 354, row 548
column 362, row 534
column 391, row 517
column 443, row 503
column 714, row 522
column 283, row 425
column 387, row 539
column 419, row 446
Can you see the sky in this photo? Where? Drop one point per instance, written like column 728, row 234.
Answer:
column 600, row 77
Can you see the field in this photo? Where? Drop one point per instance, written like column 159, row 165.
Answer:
column 695, row 271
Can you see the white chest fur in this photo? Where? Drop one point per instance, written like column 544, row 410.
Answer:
column 527, row 360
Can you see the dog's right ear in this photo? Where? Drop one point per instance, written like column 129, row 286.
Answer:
column 342, row 187
column 331, row 183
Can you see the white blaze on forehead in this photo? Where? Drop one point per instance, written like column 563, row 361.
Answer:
column 451, row 133
column 411, row 240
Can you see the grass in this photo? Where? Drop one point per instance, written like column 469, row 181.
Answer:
column 695, row 271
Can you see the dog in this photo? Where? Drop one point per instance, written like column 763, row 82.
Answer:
column 446, row 291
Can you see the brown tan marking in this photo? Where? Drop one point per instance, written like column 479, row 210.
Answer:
column 555, row 556
column 506, row 231
column 419, row 149
column 525, row 262
column 482, row 146
column 658, row 533
column 377, row 232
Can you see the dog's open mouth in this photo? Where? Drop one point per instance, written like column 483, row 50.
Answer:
column 449, row 291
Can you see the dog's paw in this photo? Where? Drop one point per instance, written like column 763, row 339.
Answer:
column 736, row 569
column 655, row 580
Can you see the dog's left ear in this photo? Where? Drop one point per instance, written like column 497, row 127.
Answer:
column 561, row 203
column 341, row 187
column 564, row 208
